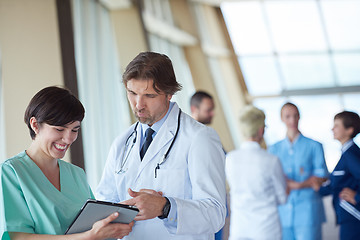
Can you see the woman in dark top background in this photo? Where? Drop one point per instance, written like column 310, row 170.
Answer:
column 344, row 181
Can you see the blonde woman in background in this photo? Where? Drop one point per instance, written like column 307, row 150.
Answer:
column 257, row 183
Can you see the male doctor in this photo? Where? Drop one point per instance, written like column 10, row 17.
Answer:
column 168, row 165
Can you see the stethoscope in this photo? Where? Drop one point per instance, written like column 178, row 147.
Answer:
column 126, row 152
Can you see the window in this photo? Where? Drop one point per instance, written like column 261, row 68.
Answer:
column 298, row 57
column 163, row 43
column 99, row 81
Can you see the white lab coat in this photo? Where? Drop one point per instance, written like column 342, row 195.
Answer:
column 193, row 175
column 257, row 186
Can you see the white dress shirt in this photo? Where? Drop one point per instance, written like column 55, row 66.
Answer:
column 257, row 186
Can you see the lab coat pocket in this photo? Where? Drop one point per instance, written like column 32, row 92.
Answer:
column 171, row 182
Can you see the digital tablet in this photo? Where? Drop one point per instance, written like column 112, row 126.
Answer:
column 94, row 210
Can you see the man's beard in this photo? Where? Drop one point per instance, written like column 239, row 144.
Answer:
column 144, row 120
column 206, row 121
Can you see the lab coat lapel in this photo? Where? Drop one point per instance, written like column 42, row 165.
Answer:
column 158, row 146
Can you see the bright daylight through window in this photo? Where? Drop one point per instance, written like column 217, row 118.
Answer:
column 313, row 61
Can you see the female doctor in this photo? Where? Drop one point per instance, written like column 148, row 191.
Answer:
column 255, row 193
column 40, row 194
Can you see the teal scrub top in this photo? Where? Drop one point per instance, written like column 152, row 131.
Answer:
column 300, row 160
column 29, row 203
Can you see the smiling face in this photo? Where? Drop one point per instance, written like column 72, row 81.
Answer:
column 52, row 142
column 148, row 105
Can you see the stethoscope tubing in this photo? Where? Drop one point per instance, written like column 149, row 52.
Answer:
column 127, row 153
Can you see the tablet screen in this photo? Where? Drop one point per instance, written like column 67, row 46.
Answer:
column 94, row 210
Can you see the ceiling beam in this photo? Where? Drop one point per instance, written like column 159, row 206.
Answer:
column 167, row 31
column 116, row 4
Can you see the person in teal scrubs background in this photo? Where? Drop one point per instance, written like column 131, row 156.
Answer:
column 40, row 194
column 303, row 163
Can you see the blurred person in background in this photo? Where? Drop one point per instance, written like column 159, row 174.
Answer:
column 202, row 107
column 303, row 162
column 257, row 183
column 344, row 181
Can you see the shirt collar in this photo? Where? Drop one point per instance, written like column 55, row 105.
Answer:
column 156, row 126
column 297, row 138
column 250, row 145
column 347, row 145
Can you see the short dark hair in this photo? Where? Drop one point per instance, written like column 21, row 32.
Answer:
column 289, row 104
column 55, row 106
column 350, row 119
column 156, row 67
column 198, row 97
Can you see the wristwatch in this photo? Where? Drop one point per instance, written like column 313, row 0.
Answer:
column 166, row 209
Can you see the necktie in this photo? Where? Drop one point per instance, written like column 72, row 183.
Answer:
column 148, row 138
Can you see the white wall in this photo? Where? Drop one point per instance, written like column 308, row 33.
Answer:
column 31, row 60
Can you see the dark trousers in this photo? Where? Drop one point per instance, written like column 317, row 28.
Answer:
column 350, row 230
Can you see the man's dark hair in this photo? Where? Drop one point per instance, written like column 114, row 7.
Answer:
column 349, row 120
column 156, row 67
column 55, row 106
column 198, row 97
